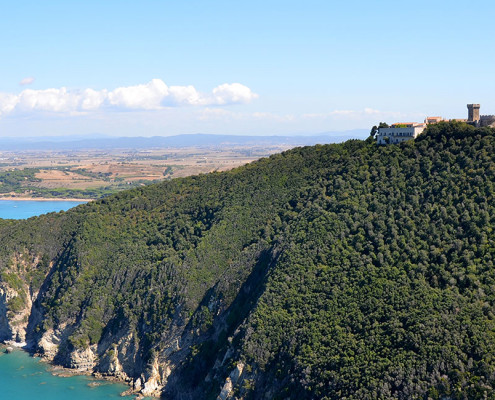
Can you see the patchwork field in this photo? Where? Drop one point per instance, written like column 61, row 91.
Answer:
column 94, row 174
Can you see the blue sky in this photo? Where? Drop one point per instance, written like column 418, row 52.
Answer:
column 257, row 67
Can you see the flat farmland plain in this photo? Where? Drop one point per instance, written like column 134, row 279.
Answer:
column 91, row 174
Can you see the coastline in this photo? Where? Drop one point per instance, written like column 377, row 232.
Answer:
column 12, row 198
column 64, row 372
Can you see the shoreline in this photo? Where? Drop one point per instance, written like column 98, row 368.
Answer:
column 11, row 198
column 64, row 372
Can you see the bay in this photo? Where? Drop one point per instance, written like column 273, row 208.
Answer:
column 23, row 209
column 23, row 377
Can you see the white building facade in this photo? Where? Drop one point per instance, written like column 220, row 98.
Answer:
column 399, row 133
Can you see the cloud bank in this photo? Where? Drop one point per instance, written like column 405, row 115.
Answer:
column 154, row 95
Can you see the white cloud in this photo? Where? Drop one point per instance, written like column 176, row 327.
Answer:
column 26, row 81
column 233, row 93
column 55, row 100
column 8, row 103
column 144, row 97
column 92, row 99
column 186, row 95
column 154, row 95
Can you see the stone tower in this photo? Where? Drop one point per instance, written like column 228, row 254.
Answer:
column 473, row 112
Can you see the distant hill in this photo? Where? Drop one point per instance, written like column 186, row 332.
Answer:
column 197, row 140
column 342, row 271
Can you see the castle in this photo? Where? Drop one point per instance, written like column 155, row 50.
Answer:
column 474, row 117
column 403, row 131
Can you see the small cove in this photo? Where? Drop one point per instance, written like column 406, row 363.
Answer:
column 23, row 377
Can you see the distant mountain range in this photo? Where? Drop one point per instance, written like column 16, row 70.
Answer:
column 188, row 140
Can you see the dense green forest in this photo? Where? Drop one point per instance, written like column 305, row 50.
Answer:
column 344, row 271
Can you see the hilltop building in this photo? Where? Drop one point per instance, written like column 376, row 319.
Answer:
column 403, row 131
column 474, row 117
column 433, row 120
column 400, row 132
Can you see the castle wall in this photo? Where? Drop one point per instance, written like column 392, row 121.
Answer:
column 487, row 120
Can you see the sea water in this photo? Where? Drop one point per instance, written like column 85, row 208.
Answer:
column 23, row 377
column 22, row 209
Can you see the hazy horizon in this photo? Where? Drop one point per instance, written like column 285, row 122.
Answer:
column 98, row 135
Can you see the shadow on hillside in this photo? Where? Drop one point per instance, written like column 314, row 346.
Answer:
column 197, row 375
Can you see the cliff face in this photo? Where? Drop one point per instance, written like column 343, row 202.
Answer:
column 16, row 298
column 343, row 271
column 119, row 353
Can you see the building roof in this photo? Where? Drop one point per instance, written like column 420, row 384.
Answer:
column 409, row 124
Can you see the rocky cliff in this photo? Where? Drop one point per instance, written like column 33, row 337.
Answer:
column 118, row 354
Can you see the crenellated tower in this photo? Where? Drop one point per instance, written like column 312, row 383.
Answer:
column 473, row 112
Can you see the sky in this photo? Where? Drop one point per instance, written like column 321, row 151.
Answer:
column 144, row 68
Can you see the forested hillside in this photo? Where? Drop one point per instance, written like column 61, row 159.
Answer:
column 344, row 271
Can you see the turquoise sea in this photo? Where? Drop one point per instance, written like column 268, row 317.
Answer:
column 20, row 209
column 23, row 377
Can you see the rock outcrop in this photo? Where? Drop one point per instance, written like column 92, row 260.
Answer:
column 232, row 380
column 49, row 343
column 83, row 359
column 16, row 299
column 5, row 328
